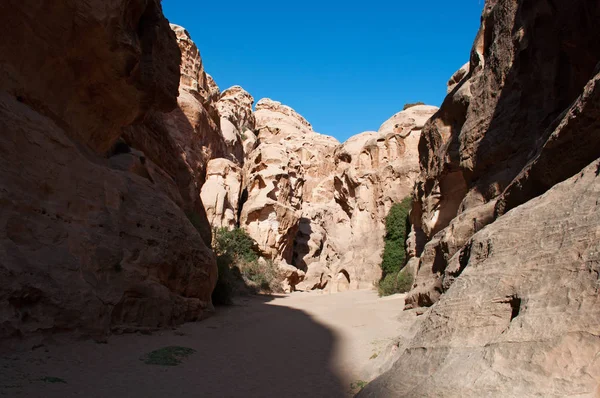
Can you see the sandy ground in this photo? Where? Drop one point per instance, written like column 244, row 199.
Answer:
column 299, row 345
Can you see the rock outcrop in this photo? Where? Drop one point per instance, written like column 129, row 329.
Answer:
column 487, row 131
column 523, row 317
column 319, row 205
column 183, row 141
column 274, row 179
column 506, row 226
column 92, row 233
column 341, row 240
column 237, row 122
column 221, row 193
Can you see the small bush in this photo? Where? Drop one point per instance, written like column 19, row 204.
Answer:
column 235, row 243
column 240, row 271
column 397, row 226
column 410, row 105
column 167, row 356
column 264, row 274
column 400, row 282
column 358, row 385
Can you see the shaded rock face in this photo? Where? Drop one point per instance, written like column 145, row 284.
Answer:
column 523, row 317
column 90, row 243
column 506, row 221
column 89, row 50
column 183, row 141
column 502, row 130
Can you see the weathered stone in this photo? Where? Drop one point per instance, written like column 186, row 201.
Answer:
column 342, row 234
column 88, row 243
column 506, row 222
column 221, row 193
column 503, row 126
column 522, row 319
column 62, row 58
column 237, row 121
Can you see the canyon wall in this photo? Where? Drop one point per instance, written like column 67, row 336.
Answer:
column 506, row 220
column 319, row 205
column 94, row 234
column 340, row 240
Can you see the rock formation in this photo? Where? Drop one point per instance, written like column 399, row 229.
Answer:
column 341, row 239
column 506, row 222
column 287, row 158
column 221, row 193
column 93, row 235
column 307, row 200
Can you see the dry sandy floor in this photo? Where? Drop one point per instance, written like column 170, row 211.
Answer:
column 299, row 345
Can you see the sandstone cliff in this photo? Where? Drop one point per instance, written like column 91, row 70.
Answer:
column 93, row 233
column 506, row 228
column 341, row 240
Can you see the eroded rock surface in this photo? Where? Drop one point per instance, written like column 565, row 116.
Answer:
column 340, row 239
column 89, row 244
column 523, row 317
column 505, row 235
column 221, row 193
column 498, row 119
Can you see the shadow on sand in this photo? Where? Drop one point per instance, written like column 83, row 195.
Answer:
column 251, row 349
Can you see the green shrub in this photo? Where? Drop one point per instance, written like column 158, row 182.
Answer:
column 264, row 274
column 358, row 385
column 410, row 105
column 240, row 271
column 167, row 356
column 399, row 282
column 235, row 243
column 397, row 226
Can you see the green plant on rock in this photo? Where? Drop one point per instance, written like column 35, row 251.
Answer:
column 411, row 104
column 397, row 226
column 235, row 243
column 395, row 283
column 358, row 385
column 263, row 273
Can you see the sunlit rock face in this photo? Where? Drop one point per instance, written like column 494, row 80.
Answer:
column 340, row 237
column 506, row 229
column 275, row 179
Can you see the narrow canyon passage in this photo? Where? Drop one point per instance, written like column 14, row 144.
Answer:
column 298, row 345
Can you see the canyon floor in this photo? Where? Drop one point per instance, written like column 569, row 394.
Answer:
column 298, row 345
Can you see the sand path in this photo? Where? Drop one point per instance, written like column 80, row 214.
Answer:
column 299, row 345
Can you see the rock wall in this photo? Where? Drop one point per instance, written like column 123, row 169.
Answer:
column 488, row 130
column 320, row 205
column 341, row 241
column 506, row 226
column 92, row 232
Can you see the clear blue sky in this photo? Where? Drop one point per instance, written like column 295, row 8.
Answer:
column 345, row 66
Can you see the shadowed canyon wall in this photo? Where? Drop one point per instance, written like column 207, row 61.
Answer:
column 506, row 223
column 93, row 233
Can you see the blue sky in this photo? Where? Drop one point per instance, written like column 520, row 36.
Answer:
column 347, row 67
